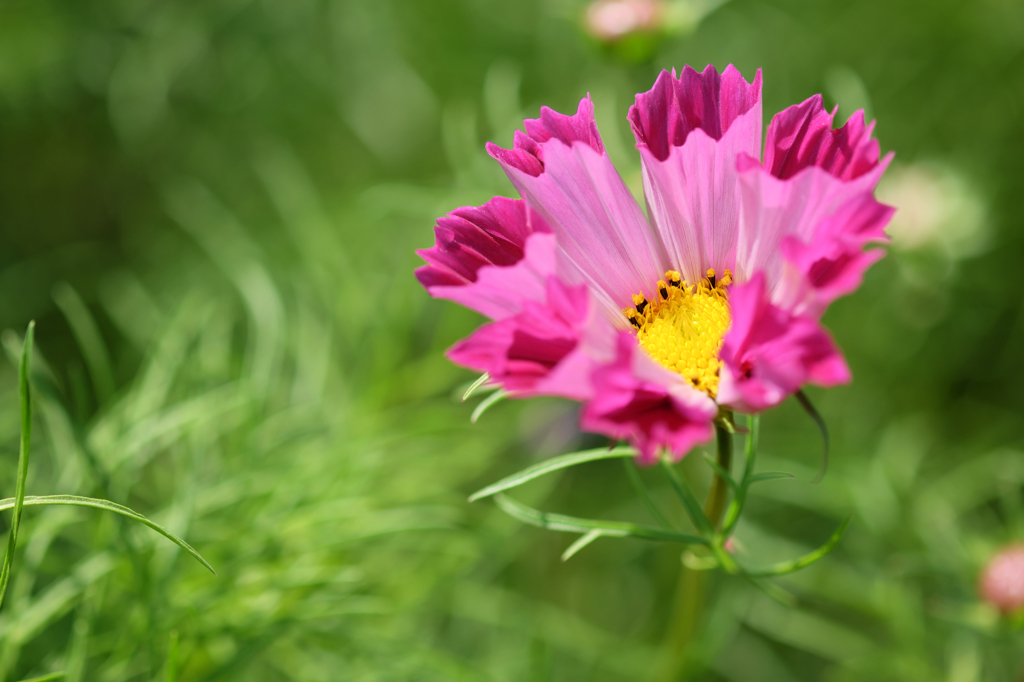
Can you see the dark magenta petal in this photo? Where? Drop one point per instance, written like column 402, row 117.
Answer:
column 522, row 351
column 665, row 115
column 527, row 154
column 637, row 400
column 769, row 353
column 802, row 136
column 471, row 237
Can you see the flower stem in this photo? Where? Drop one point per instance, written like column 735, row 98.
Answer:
column 691, row 592
column 718, row 497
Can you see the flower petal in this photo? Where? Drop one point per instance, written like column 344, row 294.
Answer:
column 769, row 353
column 772, row 209
column 665, row 115
column 802, row 136
column 524, row 352
column 832, row 264
column 636, row 399
column 500, row 292
column 471, row 237
column 690, row 132
column 601, row 231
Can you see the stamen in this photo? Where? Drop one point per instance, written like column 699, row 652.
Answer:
column 682, row 328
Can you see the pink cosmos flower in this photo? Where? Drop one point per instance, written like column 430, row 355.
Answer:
column 1001, row 583
column 713, row 300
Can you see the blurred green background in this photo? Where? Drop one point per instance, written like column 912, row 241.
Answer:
column 210, row 208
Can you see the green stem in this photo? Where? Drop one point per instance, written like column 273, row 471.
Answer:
column 691, row 593
column 718, row 497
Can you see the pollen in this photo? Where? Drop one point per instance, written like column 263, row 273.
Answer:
column 683, row 326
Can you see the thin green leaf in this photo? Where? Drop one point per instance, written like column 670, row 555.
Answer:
column 572, row 524
column 693, row 508
column 805, row 402
column 726, row 420
column 85, row 331
column 486, row 403
column 475, row 385
column 25, row 398
column 796, row 564
column 735, row 509
column 768, row 476
column 645, row 495
column 171, row 672
column 774, row 592
column 721, row 472
column 76, row 501
column 580, row 543
column 47, row 678
column 553, row 464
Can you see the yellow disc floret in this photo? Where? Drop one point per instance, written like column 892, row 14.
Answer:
column 682, row 328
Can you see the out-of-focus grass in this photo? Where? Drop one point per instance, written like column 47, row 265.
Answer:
column 210, row 208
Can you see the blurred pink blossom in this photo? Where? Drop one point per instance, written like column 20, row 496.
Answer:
column 1002, row 580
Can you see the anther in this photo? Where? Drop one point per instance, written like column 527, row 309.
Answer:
column 663, row 290
column 726, row 278
column 633, row 317
column 640, row 302
column 674, row 279
column 711, row 277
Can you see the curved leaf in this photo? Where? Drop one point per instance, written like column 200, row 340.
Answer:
column 553, row 464
column 475, row 385
column 486, row 403
column 76, row 501
column 796, row 564
column 581, row 542
column 808, row 406
column 572, row 524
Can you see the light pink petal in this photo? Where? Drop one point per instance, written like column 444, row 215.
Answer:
column 524, row 352
column 832, row 264
column 500, row 292
column 769, row 353
column 601, row 231
column 802, row 136
column 690, row 132
column 636, row 399
column 772, row 209
column 471, row 237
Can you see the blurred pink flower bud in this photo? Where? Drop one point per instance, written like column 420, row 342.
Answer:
column 1002, row 580
column 609, row 20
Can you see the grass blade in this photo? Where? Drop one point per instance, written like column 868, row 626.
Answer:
column 690, row 503
column 796, row 564
column 813, row 413
column 768, row 476
column 486, row 403
column 644, row 493
column 172, row 658
column 77, row 501
column 47, row 678
column 572, row 524
column 85, row 331
column 475, row 385
column 25, row 398
column 553, row 464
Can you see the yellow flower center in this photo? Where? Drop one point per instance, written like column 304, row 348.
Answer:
column 682, row 328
